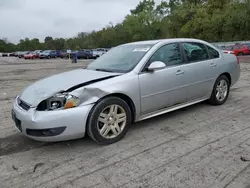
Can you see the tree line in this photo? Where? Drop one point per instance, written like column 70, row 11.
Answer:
column 210, row 20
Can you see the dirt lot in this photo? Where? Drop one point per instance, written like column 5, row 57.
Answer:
column 199, row 146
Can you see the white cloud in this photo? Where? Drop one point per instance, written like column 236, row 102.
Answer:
column 58, row 18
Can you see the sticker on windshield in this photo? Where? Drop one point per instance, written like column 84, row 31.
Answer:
column 141, row 49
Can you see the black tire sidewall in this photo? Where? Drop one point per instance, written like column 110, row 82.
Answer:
column 213, row 98
column 92, row 129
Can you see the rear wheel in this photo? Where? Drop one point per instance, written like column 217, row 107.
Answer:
column 109, row 120
column 240, row 54
column 220, row 91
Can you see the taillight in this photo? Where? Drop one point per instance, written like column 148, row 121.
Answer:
column 238, row 60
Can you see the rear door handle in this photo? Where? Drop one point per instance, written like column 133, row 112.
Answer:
column 179, row 72
column 213, row 65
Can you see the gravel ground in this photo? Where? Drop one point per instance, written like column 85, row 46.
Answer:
column 199, row 146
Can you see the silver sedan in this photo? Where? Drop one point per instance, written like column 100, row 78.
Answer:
column 130, row 83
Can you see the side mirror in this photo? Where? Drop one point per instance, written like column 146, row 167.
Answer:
column 156, row 65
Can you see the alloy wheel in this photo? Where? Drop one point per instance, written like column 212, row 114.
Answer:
column 111, row 121
column 221, row 90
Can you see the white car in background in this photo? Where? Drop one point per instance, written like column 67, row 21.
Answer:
column 98, row 52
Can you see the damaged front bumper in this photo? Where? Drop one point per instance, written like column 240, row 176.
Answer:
column 51, row 126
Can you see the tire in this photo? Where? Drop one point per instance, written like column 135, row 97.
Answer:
column 94, row 126
column 214, row 99
column 240, row 54
column 49, row 57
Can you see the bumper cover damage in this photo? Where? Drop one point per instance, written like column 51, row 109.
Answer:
column 58, row 125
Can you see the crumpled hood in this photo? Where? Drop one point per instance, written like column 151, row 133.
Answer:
column 45, row 88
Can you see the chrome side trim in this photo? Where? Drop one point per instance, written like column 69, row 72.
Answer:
column 169, row 109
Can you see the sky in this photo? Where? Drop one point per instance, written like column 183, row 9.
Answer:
column 59, row 18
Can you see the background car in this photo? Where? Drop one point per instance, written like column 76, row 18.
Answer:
column 16, row 53
column 247, row 44
column 47, row 54
column 32, row 55
column 21, row 55
column 64, row 54
column 240, row 50
column 27, row 56
column 98, row 52
column 4, row 54
column 225, row 49
column 83, row 54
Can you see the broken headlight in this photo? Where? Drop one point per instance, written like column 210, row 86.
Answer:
column 59, row 101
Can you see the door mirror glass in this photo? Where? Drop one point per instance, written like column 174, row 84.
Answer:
column 156, row 65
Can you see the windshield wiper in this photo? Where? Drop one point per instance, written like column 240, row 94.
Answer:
column 104, row 70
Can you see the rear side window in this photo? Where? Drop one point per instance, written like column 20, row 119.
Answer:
column 213, row 53
column 195, row 52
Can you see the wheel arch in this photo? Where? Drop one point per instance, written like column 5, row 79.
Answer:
column 228, row 76
column 124, row 97
column 128, row 100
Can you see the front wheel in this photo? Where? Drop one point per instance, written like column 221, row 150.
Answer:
column 220, row 91
column 109, row 120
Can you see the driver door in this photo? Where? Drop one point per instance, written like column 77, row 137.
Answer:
column 165, row 87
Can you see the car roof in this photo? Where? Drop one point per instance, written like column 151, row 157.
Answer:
column 166, row 40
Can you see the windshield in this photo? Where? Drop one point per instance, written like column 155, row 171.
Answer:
column 121, row 59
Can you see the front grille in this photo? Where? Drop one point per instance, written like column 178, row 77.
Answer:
column 23, row 104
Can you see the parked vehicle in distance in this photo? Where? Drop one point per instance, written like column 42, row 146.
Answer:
column 130, row 83
column 11, row 54
column 16, row 53
column 225, row 49
column 21, row 55
column 98, row 52
column 27, row 56
column 240, row 50
column 38, row 51
column 58, row 53
column 83, row 54
column 47, row 54
column 89, row 54
column 247, row 44
column 65, row 54
column 32, row 55
column 4, row 54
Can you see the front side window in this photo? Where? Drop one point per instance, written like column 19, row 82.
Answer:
column 195, row 52
column 169, row 54
column 121, row 59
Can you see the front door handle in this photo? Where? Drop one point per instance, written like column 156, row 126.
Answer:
column 213, row 65
column 179, row 72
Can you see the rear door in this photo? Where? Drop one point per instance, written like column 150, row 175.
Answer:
column 202, row 70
